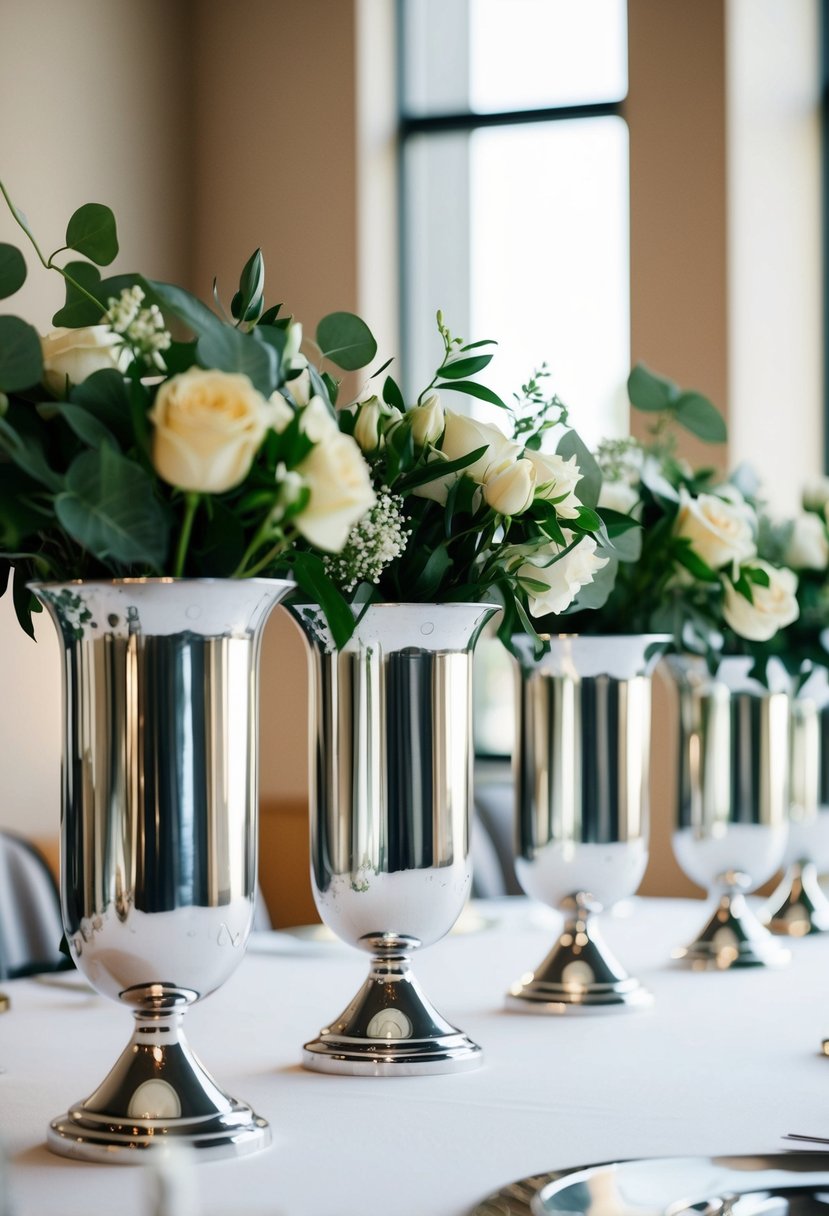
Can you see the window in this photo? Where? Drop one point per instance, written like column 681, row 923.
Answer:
column 514, row 214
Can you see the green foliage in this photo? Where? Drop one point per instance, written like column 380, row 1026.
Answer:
column 655, row 394
column 21, row 361
column 12, row 270
column 91, row 231
column 346, row 340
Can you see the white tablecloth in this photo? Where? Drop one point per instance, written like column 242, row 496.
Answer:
column 723, row 1063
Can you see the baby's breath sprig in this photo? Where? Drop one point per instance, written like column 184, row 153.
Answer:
column 373, row 543
column 142, row 329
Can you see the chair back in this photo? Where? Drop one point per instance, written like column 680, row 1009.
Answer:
column 30, row 921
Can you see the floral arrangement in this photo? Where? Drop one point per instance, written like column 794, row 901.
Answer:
column 466, row 510
column 695, row 568
column 150, row 435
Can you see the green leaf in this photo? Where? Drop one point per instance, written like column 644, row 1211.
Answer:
column 588, row 519
column 392, row 394
column 472, row 389
column 246, row 304
column 346, row 340
column 461, row 368
column 27, row 453
column 21, row 360
column 197, row 316
column 756, row 575
column 589, row 488
column 20, row 515
column 699, row 416
column 109, row 508
column 692, row 562
column 309, row 572
column 86, row 426
column 229, row 350
column 25, row 603
column 482, row 342
column 92, row 232
column 269, row 316
column 432, row 572
column 105, row 396
column 650, row 392
column 77, row 309
column 12, row 270
column 436, row 469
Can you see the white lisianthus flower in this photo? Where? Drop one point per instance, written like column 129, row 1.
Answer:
column 511, row 489
column 808, row 547
column 557, row 478
column 720, row 532
column 563, row 579
column 207, row 428
column 374, row 417
column 427, row 421
column 74, row 354
column 300, row 387
column 341, row 493
column 317, row 422
column 280, row 413
column 816, row 494
column 461, row 436
column 772, row 608
column 292, row 359
column 620, row 496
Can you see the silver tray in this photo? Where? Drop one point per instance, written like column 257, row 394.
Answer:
column 773, row 1184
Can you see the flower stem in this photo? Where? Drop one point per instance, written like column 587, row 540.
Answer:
column 191, row 504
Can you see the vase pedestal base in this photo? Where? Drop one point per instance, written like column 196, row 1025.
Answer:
column 733, row 937
column 390, row 1029
column 158, row 1091
column 798, row 907
column 579, row 975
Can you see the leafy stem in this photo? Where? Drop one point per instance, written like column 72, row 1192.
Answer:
column 191, row 505
column 20, row 220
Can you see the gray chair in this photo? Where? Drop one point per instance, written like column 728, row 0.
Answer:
column 31, row 929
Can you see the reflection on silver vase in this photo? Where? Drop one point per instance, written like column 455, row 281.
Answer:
column 158, row 840
column 391, row 798
column 799, row 907
column 581, row 772
column 732, row 804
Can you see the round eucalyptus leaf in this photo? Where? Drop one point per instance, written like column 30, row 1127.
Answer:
column 92, row 232
column 21, row 360
column 12, row 270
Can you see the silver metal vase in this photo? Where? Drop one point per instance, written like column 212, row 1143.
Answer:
column 159, row 839
column 391, row 802
column 733, row 801
column 799, row 907
column 582, row 766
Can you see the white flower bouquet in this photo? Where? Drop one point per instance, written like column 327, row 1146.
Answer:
column 149, row 435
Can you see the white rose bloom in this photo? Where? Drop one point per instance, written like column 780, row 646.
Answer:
column 427, row 421
column 808, row 547
column 292, row 360
column 511, row 489
column 555, row 477
column 338, row 478
column 461, row 436
column 564, row 579
column 620, row 496
column 77, row 353
column 317, row 422
column 773, row 607
column 208, row 426
column 816, row 493
column 720, row 532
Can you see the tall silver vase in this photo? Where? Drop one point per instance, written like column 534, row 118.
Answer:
column 799, row 907
column 732, row 805
column 391, row 800
column 159, row 839
column 582, row 768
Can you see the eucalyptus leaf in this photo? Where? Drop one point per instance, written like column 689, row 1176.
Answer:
column 188, row 308
column 27, row 453
column 104, row 395
column 346, row 340
column 699, row 416
column 78, row 309
column 86, row 426
column 21, row 360
column 109, row 508
column 12, row 270
column 230, row 350
column 650, row 392
column 92, row 232
column 590, row 485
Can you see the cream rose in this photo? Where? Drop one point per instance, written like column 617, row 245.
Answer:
column 280, row 413
column 427, row 421
column 808, row 547
column 300, row 387
column 317, row 422
column 563, row 579
column 620, row 496
column 74, row 354
column 771, row 609
column 557, row 478
column 816, row 493
column 461, row 436
column 510, row 490
column 338, row 478
column 208, row 426
column 720, row 532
